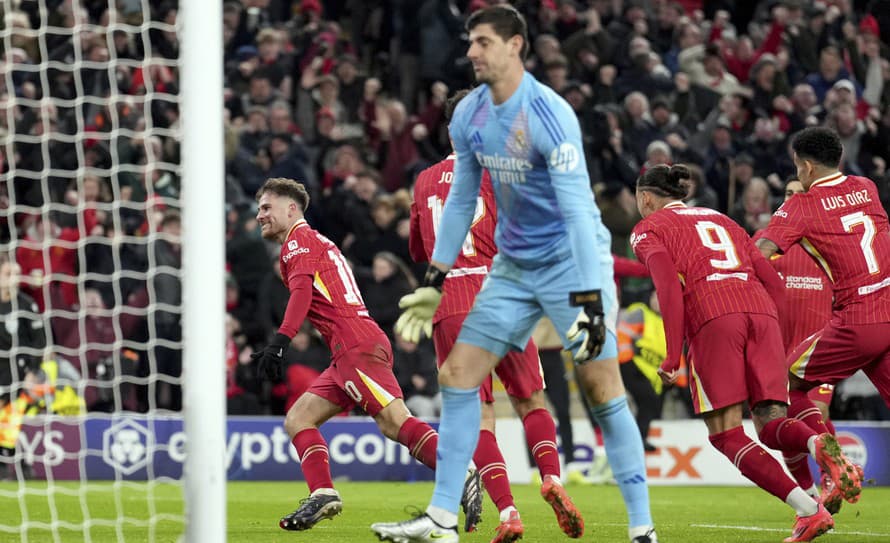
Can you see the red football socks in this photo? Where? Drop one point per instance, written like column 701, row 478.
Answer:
column 540, row 434
column 313, row 452
column 803, row 409
column 753, row 461
column 420, row 439
column 490, row 463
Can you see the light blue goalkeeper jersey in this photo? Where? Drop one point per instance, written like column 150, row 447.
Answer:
column 531, row 145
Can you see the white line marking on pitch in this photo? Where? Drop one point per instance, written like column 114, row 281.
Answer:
column 760, row 529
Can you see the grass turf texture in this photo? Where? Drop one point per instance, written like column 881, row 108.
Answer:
column 699, row 514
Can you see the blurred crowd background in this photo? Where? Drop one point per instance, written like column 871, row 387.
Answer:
column 347, row 96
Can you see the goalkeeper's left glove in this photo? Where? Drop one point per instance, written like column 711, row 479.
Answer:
column 588, row 332
column 270, row 360
column 420, row 306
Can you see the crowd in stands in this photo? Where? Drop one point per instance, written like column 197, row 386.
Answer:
column 347, row 96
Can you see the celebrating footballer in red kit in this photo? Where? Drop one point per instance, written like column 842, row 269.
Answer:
column 711, row 278
column 323, row 289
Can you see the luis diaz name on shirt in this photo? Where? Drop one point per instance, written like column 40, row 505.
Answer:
column 857, row 197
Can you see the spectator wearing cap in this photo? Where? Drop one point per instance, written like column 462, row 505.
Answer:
column 241, row 68
column 844, row 92
column 831, row 70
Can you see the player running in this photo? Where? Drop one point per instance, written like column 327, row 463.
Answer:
column 840, row 222
column 807, row 307
column 553, row 258
column 712, row 282
column 323, row 289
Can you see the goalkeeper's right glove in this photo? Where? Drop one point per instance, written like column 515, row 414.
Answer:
column 588, row 332
column 420, row 306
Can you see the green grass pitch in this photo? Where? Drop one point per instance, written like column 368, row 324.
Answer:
column 682, row 514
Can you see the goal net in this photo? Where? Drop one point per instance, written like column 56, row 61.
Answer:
column 93, row 227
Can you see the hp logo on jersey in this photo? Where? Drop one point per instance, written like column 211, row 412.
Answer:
column 565, row 158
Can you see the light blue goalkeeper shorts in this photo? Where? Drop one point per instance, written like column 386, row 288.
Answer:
column 514, row 297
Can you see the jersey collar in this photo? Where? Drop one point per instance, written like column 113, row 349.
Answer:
column 675, row 204
column 298, row 224
column 831, row 179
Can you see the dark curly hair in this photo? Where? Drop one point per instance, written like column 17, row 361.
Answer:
column 666, row 181
column 819, row 145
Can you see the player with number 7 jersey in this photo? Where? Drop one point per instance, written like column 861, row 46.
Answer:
column 841, row 223
column 323, row 289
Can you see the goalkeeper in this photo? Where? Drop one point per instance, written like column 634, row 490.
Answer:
column 554, row 258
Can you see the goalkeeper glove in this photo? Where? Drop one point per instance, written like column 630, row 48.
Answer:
column 420, row 306
column 588, row 332
column 270, row 360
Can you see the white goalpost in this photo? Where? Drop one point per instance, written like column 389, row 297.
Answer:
column 111, row 130
column 203, row 267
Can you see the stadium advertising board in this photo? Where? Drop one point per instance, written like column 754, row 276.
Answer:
column 258, row 448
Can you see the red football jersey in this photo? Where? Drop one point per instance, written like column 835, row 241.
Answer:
column 337, row 310
column 808, row 296
column 714, row 257
column 472, row 264
column 841, row 223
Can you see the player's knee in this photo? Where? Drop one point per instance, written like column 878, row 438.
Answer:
column 764, row 412
column 295, row 423
column 524, row 406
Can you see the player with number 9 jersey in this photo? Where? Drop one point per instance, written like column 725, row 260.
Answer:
column 704, row 263
column 715, row 262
